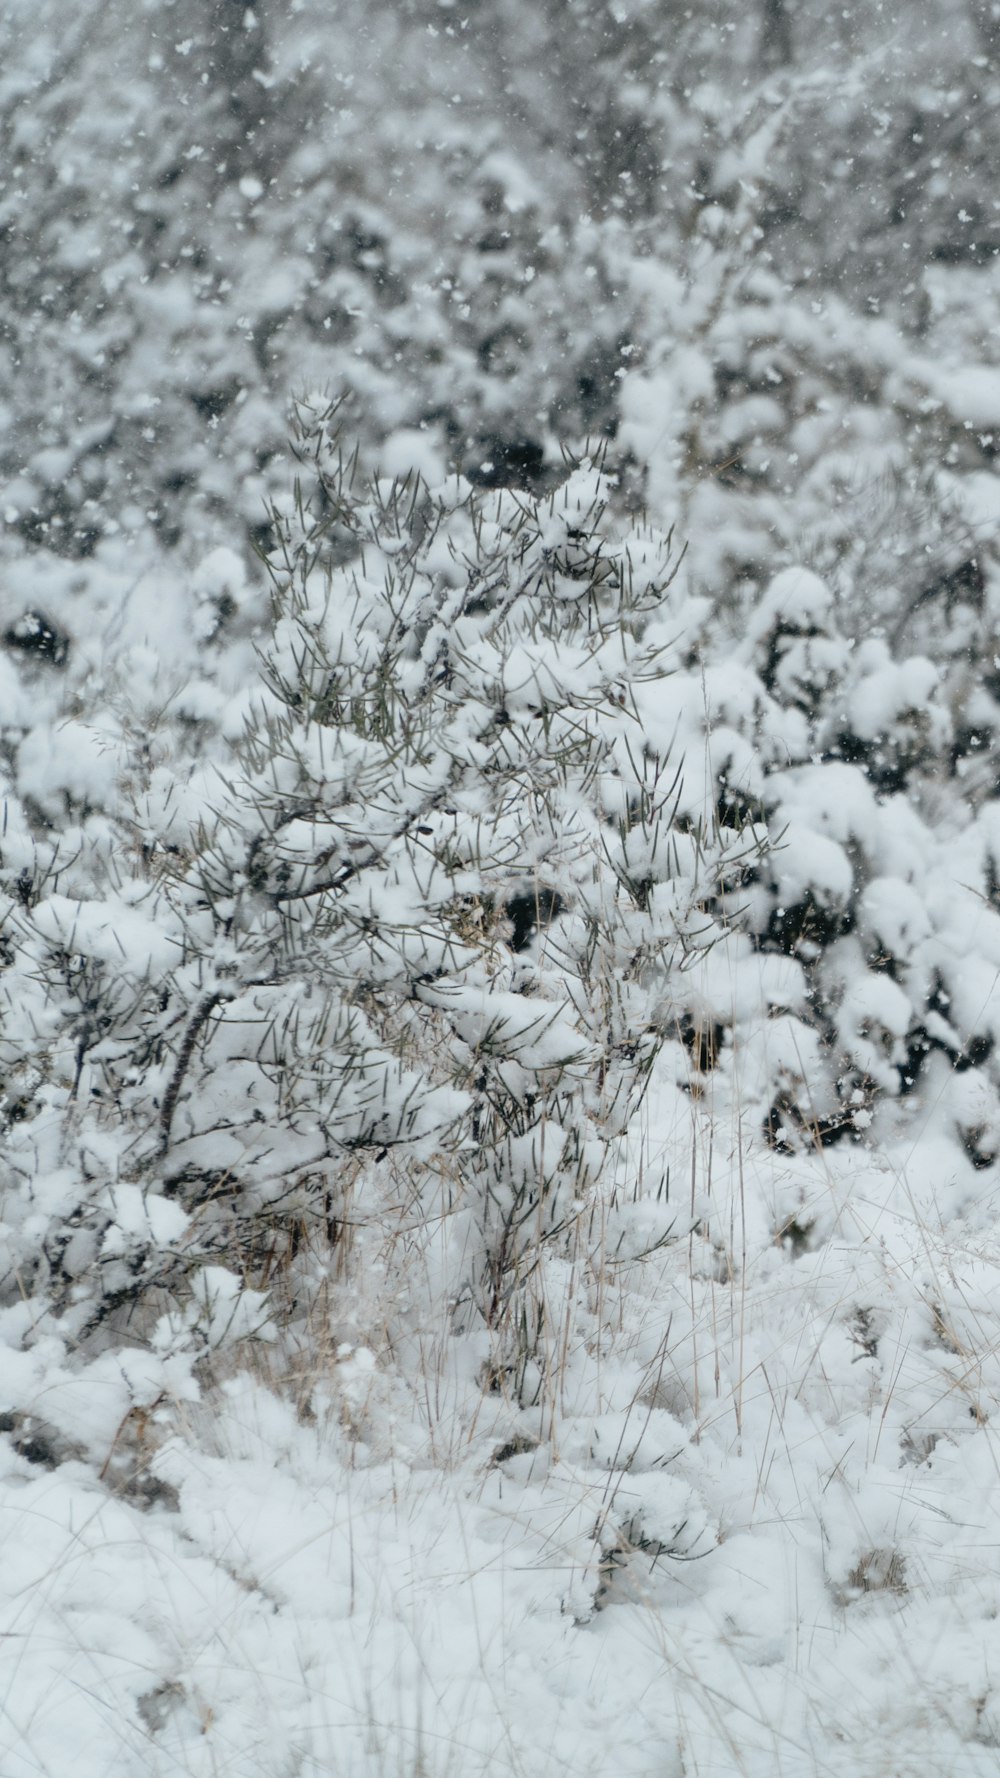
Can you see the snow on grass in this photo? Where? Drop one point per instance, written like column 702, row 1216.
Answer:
column 767, row 1547
column 759, row 1536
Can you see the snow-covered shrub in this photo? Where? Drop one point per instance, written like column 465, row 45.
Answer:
column 421, row 911
column 244, row 209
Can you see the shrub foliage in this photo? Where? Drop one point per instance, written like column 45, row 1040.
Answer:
column 434, row 909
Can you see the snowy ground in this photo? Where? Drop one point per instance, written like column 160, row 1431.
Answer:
column 370, row 1584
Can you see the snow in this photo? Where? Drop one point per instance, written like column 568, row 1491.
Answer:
column 82, row 768
column 797, row 599
column 361, row 1613
column 114, row 933
column 972, row 392
column 499, row 1035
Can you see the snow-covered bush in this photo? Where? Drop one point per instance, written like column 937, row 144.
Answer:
column 423, row 910
column 243, row 211
column 879, row 890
